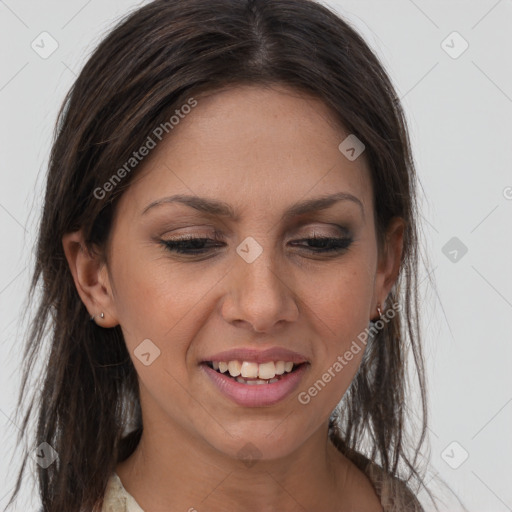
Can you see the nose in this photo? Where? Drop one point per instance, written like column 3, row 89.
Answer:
column 260, row 294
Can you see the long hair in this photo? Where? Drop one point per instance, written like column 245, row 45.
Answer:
column 149, row 65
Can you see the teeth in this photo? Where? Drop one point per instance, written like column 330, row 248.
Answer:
column 279, row 367
column 255, row 382
column 250, row 370
column 234, row 368
column 267, row 370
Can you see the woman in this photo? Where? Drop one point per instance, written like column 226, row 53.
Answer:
column 227, row 255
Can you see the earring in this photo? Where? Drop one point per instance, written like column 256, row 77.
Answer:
column 102, row 316
column 379, row 311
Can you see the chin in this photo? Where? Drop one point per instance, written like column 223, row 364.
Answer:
column 258, row 441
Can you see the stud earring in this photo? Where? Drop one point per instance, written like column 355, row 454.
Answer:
column 379, row 311
column 102, row 316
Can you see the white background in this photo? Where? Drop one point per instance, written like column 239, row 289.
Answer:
column 459, row 111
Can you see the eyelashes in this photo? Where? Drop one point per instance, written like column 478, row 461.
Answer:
column 195, row 246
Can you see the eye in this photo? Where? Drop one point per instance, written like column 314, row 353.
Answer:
column 191, row 245
column 323, row 244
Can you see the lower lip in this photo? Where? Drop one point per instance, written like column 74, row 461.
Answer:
column 257, row 395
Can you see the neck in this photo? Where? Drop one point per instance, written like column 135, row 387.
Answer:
column 187, row 474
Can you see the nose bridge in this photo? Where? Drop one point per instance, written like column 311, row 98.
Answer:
column 257, row 267
column 259, row 292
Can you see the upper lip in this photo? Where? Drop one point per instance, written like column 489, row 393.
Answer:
column 258, row 356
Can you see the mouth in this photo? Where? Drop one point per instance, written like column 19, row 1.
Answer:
column 250, row 384
column 250, row 373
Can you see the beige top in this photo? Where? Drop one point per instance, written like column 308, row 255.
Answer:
column 117, row 499
column 393, row 494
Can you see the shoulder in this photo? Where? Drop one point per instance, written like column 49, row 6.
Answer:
column 394, row 494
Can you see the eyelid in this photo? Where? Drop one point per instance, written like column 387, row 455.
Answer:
column 341, row 228
column 330, row 230
column 219, row 237
column 337, row 245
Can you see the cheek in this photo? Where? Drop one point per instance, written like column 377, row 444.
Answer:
column 341, row 304
column 156, row 301
column 341, row 299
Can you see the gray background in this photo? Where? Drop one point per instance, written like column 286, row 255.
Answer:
column 459, row 107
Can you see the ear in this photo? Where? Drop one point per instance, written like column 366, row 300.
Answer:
column 91, row 279
column 388, row 266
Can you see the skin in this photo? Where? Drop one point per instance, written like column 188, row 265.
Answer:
column 259, row 149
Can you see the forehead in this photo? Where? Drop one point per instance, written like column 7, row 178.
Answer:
column 256, row 148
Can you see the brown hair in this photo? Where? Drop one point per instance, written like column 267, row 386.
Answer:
column 148, row 66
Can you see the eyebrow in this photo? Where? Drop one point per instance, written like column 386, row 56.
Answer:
column 222, row 209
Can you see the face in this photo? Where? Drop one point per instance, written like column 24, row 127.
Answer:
column 256, row 283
